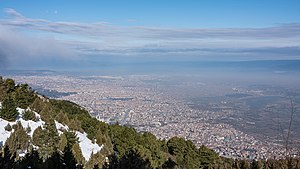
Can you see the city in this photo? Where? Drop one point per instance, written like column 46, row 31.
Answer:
column 143, row 103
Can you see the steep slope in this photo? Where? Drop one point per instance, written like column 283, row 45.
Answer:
column 86, row 145
column 33, row 123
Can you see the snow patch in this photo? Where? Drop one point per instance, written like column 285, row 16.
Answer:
column 32, row 124
column 60, row 127
column 3, row 133
column 87, row 147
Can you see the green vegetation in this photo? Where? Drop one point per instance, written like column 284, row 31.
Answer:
column 123, row 147
column 18, row 140
column 8, row 111
column 29, row 115
column 8, row 127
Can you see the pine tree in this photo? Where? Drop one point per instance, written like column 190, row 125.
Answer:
column 37, row 136
column 29, row 115
column 37, row 105
column 28, row 129
column 51, row 138
column 54, row 161
column 75, row 124
column 8, row 159
column 71, row 138
column 10, row 85
column 2, row 89
column 95, row 160
column 8, row 111
column 18, row 140
column 46, row 139
column 31, row 160
column 62, row 142
column 77, row 153
column 24, row 96
column 8, row 127
column 46, row 113
column 69, row 158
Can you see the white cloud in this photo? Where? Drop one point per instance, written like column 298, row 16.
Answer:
column 16, row 48
column 104, row 38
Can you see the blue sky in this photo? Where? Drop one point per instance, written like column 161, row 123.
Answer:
column 167, row 13
column 154, row 29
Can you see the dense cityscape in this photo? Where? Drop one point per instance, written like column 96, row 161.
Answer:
column 143, row 103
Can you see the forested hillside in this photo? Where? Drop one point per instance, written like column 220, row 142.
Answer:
column 37, row 132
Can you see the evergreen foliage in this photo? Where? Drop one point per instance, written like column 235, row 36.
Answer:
column 62, row 118
column 8, row 111
column 38, row 105
column 69, row 158
column 46, row 139
column 9, row 85
column 8, row 127
column 71, row 138
column 18, row 142
column 29, row 115
column 28, row 129
column 78, row 154
column 95, row 160
column 23, row 96
column 7, row 159
column 62, row 142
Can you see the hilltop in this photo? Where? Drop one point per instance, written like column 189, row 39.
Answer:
column 38, row 132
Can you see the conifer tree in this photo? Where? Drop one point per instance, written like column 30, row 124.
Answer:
column 37, row 136
column 69, row 158
column 46, row 139
column 46, row 113
column 62, row 142
column 55, row 160
column 75, row 124
column 24, row 96
column 18, row 140
column 31, row 160
column 95, row 160
column 71, row 138
column 37, row 105
column 10, row 85
column 77, row 153
column 28, row 129
column 2, row 89
column 8, row 159
column 52, row 137
column 8, row 127
column 8, row 111
column 29, row 115
column 62, row 118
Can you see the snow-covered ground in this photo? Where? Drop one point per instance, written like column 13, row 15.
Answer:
column 32, row 124
column 87, row 147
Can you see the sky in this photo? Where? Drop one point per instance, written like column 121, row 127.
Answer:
column 38, row 34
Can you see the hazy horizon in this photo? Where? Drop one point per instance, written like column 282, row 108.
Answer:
column 62, row 35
